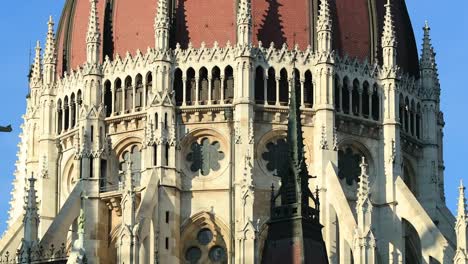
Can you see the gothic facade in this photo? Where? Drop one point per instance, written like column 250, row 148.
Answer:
column 161, row 141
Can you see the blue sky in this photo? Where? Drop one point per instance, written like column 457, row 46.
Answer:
column 22, row 24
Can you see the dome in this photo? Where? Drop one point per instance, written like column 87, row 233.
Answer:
column 127, row 26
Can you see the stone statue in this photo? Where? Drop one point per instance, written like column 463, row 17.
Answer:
column 6, row 129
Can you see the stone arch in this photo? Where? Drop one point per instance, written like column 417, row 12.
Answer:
column 128, row 94
column 206, row 232
column 118, row 105
column 228, row 84
column 216, row 85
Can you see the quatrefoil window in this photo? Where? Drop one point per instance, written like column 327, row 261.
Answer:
column 276, row 156
column 205, row 156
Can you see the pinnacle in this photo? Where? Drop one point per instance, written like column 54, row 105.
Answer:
column 245, row 12
column 93, row 34
column 162, row 15
column 461, row 201
column 363, row 190
column 389, row 35
column 36, row 72
column 49, row 54
column 324, row 19
column 428, row 54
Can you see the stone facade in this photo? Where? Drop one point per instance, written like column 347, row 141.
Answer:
column 169, row 155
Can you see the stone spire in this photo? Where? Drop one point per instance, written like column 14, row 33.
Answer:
column 162, row 26
column 93, row 37
column 50, row 55
column 244, row 23
column 300, row 228
column 364, row 240
column 429, row 71
column 389, row 43
column 36, row 75
column 324, row 28
column 427, row 57
column 461, row 255
column 31, row 224
column 31, row 216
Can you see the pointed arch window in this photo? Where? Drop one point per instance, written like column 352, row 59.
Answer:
column 203, row 86
column 138, row 92
column 178, row 86
column 128, row 94
column 149, row 87
column 271, row 87
column 229, row 84
column 190, row 86
column 283, row 87
column 308, row 90
column 118, row 97
column 259, row 85
column 216, row 85
column 108, row 98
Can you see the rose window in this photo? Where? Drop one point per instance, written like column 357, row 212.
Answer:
column 276, row 156
column 205, row 156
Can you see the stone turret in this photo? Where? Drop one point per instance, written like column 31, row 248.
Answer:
column 389, row 74
column 162, row 26
column 432, row 186
column 364, row 240
column 50, row 55
column 294, row 226
column 461, row 255
column 244, row 23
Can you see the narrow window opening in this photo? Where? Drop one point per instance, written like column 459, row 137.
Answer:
column 167, row 217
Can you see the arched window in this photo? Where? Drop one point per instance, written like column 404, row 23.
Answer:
column 418, row 121
column 366, row 100
column 138, row 92
column 284, row 87
column 67, row 113
column 412, row 243
column 356, row 98
column 203, row 86
column 402, row 111
column 345, row 93
column 118, row 97
column 149, row 87
column 406, row 113
column 337, row 94
column 216, row 85
column 412, row 114
column 228, row 84
column 375, row 103
column 271, row 86
column 190, row 86
column 259, row 85
column 133, row 154
column 108, row 98
column 72, row 111
column 166, row 153
column 178, row 86
column 308, row 90
column 59, row 116
column 128, row 94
